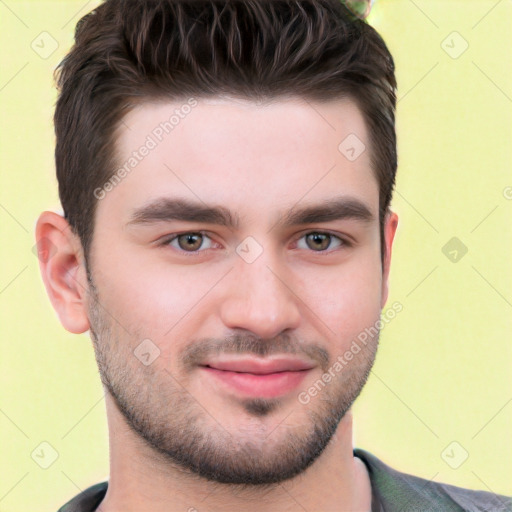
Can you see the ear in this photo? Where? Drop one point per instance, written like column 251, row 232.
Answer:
column 63, row 270
column 390, row 225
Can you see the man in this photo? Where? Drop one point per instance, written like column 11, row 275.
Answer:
column 226, row 170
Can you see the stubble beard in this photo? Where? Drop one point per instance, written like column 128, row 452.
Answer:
column 181, row 433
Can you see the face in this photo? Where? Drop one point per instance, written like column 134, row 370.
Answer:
column 232, row 266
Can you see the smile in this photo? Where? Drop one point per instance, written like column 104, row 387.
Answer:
column 258, row 378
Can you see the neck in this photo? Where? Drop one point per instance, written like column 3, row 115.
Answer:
column 140, row 479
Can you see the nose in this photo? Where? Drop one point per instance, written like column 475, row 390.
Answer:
column 260, row 298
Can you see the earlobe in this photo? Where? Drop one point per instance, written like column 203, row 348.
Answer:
column 63, row 271
column 390, row 225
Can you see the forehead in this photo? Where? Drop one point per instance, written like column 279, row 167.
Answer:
column 250, row 155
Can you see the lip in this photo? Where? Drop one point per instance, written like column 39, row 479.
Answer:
column 260, row 366
column 258, row 377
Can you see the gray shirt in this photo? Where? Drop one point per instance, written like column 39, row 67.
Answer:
column 392, row 491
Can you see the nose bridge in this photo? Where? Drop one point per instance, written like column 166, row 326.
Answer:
column 259, row 299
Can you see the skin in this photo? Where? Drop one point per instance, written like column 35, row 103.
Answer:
column 179, row 438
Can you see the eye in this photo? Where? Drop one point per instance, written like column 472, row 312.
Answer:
column 188, row 242
column 319, row 241
column 193, row 241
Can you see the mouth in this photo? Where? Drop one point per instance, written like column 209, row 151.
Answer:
column 258, row 377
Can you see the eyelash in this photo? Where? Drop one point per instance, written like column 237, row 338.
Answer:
column 167, row 241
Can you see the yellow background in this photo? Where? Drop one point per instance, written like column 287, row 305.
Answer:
column 443, row 370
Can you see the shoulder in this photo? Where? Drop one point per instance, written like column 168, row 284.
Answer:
column 88, row 500
column 393, row 490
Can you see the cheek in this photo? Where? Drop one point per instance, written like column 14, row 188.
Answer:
column 345, row 301
column 154, row 299
column 150, row 299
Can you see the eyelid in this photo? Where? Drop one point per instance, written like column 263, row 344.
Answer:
column 166, row 240
column 345, row 241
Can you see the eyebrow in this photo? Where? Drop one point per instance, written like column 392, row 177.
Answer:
column 169, row 209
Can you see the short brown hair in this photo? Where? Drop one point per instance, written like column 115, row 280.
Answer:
column 128, row 51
